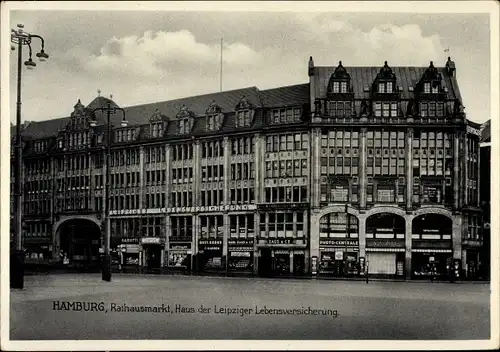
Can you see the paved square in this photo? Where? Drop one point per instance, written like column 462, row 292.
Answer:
column 345, row 309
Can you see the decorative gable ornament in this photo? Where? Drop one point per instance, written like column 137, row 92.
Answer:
column 156, row 117
column 340, row 72
column 244, row 104
column 432, row 73
column 213, row 108
column 386, row 73
column 184, row 112
column 79, row 109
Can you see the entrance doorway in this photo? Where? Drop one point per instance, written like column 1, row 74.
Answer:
column 153, row 257
column 265, row 262
column 80, row 241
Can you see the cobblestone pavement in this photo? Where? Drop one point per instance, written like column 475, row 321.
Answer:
column 377, row 310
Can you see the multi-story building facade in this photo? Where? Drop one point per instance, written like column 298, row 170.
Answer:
column 485, row 199
column 361, row 165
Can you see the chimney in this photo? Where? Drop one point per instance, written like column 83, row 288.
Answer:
column 312, row 86
column 311, row 66
column 450, row 67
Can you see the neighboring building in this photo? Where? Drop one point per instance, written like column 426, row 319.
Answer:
column 360, row 164
column 485, row 198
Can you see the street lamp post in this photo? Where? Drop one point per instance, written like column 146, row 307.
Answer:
column 106, row 263
column 21, row 38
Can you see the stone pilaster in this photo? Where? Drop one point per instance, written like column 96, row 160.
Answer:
column 227, row 170
column 408, row 246
column 225, row 218
column 314, row 236
column 362, row 235
column 258, row 162
column 196, row 173
column 456, row 170
column 315, row 167
column 168, row 175
column 409, row 168
column 465, row 171
column 142, row 189
column 457, row 236
column 362, row 168
column 196, row 233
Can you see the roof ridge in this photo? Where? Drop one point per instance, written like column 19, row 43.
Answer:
column 190, row 97
column 288, row 86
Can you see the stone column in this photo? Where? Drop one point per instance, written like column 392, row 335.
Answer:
column 291, row 261
column 227, row 170
column 168, row 175
column 408, row 245
column 307, row 232
column 456, row 170
column 457, row 236
column 362, row 169
column 362, row 235
column 409, row 169
column 196, row 173
column 465, row 171
column 314, row 236
column 315, row 166
column 259, row 162
column 225, row 218
column 196, row 233
column 141, row 178
column 256, row 235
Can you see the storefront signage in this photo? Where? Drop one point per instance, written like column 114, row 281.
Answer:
column 178, row 247
column 137, row 211
column 278, row 240
column 339, row 255
column 210, row 242
column 288, row 206
column 241, row 242
column 215, row 208
column 133, row 240
column 473, row 130
column 430, row 230
column 385, row 243
column 151, row 240
column 431, row 244
column 329, row 242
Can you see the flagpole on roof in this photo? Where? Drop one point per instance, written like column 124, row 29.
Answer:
column 221, row 49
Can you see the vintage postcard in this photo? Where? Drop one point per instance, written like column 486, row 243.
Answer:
column 249, row 175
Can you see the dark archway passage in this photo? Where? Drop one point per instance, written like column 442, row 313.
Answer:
column 80, row 241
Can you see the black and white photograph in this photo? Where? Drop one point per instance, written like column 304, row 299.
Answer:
column 249, row 175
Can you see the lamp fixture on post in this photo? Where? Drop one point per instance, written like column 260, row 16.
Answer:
column 106, row 261
column 20, row 38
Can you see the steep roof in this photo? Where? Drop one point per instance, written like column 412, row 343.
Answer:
column 140, row 114
column 362, row 77
column 486, row 132
column 286, row 96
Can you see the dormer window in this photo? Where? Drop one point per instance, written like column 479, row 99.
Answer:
column 243, row 118
column 185, row 119
column 244, row 113
column 430, row 83
column 289, row 115
column 184, row 126
column 214, row 117
column 339, row 81
column 339, row 87
column 431, row 88
column 157, row 129
column 157, row 126
column 385, row 87
column 385, row 82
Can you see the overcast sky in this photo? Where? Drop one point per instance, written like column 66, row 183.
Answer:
column 142, row 57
